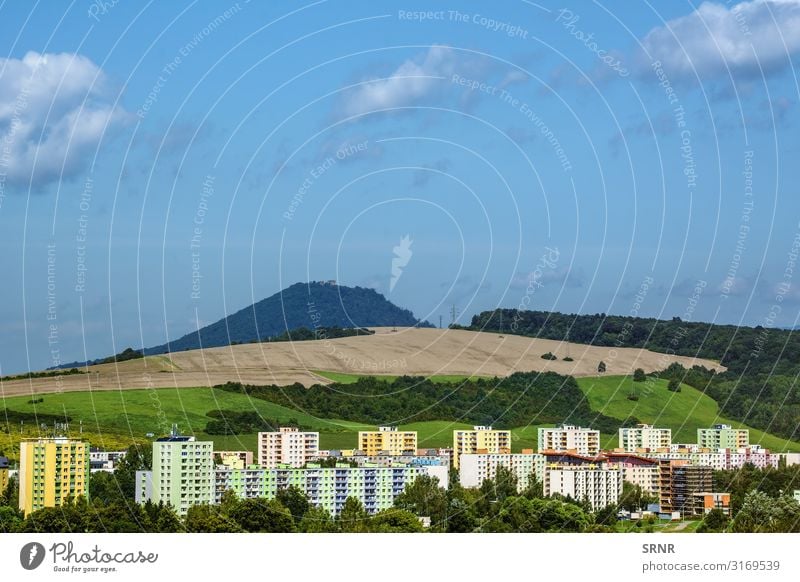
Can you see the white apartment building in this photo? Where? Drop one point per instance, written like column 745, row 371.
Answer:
column 791, row 458
column 600, row 484
column 104, row 460
column 644, row 436
column 474, row 469
column 723, row 459
column 182, row 474
column 569, row 438
column 288, row 446
column 637, row 469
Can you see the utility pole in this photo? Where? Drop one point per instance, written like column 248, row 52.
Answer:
column 453, row 314
column 440, row 321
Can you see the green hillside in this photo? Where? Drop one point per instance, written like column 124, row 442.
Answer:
column 119, row 418
column 684, row 412
column 116, row 418
column 758, row 388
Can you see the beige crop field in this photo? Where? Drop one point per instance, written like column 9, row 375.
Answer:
column 419, row 352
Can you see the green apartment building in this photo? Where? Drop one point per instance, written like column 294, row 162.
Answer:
column 182, row 474
column 722, row 436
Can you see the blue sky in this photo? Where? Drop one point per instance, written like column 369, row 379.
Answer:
column 164, row 164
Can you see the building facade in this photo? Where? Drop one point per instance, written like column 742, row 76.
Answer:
column 723, row 459
column 235, row 459
column 182, row 474
column 638, row 470
column 376, row 487
column 104, row 460
column 644, row 437
column 50, row 471
column 599, row 484
column 387, row 440
column 288, row 446
column 474, row 469
column 679, row 482
column 723, row 436
column 3, row 474
column 481, row 439
column 705, row 501
column 569, row 438
column 388, row 460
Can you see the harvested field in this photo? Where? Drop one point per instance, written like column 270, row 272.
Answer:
column 410, row 351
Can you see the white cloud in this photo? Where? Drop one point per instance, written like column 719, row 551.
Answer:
column 745, row 38
column 410, row 82
column 54, row 111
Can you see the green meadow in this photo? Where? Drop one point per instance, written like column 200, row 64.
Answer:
column 114, row 419
column 684, row 412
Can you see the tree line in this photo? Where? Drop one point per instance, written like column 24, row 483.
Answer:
column 519, row 400
column 759, row 387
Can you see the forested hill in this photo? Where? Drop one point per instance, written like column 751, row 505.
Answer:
column 737, row 348
column 760, row 387
column 312, row 305
column 522, row 399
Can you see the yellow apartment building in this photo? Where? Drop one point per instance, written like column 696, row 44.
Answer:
column 387, row 440
column 481, row 439
column 50, row 471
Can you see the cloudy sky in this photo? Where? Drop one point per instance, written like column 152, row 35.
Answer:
column 164, row 164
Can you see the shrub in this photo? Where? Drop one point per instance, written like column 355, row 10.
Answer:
column 549, row 356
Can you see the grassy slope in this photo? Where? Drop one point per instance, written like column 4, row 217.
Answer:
column 684, row 412
column 114, row 419
column 118, row 418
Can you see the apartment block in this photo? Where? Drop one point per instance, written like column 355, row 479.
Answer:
column 705, row 501
column 235, row 459
column 3, row 474
column 50, row 471
column 569, row 438
column 723, row 459
column 481, row 439
column 722, row 436
column 376, row 487
column 387, row 440
column 288, row 446
column 637, row 469
column 389, row 460
column 600, row 484
column 474, row 469
column 756, row 456
column 679, row 482
column 182, row 474
column 104, row 460
column 644, row 437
